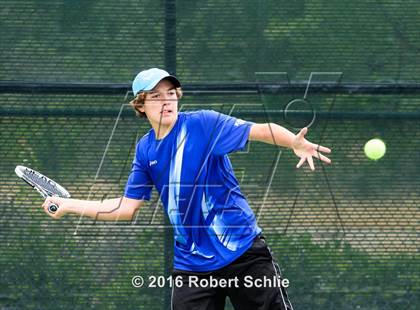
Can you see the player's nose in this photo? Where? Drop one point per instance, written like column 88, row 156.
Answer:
column 166, row 102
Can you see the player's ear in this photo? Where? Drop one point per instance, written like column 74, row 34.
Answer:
column 140, row 107
column 138, row 104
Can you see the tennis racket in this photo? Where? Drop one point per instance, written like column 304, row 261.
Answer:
column 42, row 184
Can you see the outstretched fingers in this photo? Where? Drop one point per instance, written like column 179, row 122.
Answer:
column 321, row 157
column 306, row 150
column 302, row 132
column 301, row 161
column 320, row 148
column 311, row 162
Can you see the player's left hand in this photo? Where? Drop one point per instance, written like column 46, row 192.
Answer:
column 305, row 150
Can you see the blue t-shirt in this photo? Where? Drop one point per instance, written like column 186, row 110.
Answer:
column 213, row 223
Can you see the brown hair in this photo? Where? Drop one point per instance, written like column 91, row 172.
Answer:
column 138, row 101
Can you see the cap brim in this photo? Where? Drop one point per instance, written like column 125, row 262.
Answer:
column 171, row 78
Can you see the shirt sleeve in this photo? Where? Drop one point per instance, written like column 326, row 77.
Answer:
column 225, row 133
column 139, row 184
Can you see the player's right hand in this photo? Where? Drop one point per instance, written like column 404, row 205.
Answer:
column 60, row 202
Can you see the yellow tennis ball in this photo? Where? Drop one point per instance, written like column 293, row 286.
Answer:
column 375, row 149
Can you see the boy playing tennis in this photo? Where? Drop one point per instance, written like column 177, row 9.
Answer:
column 216, row 237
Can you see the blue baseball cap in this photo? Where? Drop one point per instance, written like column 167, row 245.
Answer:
column 146, row 80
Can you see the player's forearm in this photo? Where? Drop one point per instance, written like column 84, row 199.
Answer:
column 272, row 134
column 105, row 210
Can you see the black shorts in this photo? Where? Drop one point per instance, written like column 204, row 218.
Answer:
column 253, row 281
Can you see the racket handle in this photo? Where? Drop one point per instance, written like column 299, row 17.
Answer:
column 52, row 208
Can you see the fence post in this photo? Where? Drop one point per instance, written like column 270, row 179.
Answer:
column 170, row 66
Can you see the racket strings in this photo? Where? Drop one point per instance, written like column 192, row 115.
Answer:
column 45, row 184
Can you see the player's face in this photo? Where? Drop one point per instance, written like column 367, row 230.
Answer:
column 161, row 105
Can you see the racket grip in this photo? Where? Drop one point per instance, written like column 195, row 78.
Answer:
column 52, row 208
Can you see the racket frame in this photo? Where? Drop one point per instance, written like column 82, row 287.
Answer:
column 52, row 208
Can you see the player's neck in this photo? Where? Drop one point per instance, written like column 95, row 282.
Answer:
column 161, row 131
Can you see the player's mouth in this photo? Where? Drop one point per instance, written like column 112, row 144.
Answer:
column 166, row 112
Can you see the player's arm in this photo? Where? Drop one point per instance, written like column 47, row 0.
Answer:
column 275, row 134
column 116, row 209
column 271, row 133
